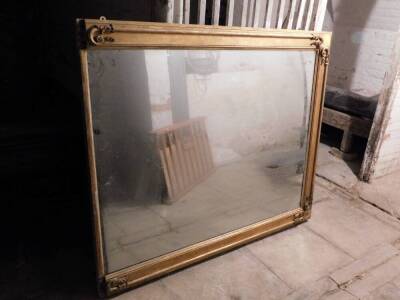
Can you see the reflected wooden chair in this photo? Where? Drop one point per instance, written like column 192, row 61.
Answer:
column 185, row 155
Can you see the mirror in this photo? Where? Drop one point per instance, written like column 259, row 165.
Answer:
column 200, row 140
column 192, row 144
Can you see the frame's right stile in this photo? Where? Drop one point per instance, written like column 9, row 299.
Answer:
column 132, row 35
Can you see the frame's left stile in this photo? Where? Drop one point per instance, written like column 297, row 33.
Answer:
column 121, row 35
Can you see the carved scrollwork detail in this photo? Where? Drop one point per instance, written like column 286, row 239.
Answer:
column 117, row 284
column 298, row 218
column 98, row 34
column 324, row 56
column 307, row 204
column 323, row 52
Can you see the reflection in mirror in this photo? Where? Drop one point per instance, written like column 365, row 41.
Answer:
column 192, row 144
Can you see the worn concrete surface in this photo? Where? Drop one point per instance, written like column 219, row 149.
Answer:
column 349, row 249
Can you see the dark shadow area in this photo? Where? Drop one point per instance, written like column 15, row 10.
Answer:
column 332, row 137
column 47, row 244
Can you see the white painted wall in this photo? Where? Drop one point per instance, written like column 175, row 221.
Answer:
column 253, row 102
column 160, row 94
column 388, row 154
column 364, row 33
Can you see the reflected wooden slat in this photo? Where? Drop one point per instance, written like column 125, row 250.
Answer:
column 320, row 15
column 178, row 11
column 268, row 17
column 198, row 132
column 182, row 159
column 250, row 13
column 257, row 11
column 291, row 15
column 162, row 152
column 300, row 15
column 175, row 161
column 281, row 11
column 201, row 18
column 187, row 12
column 309, row 15
column 169, row 168
column 170, row 11
column 215, row 12
column 243, row 20
column 229, row 17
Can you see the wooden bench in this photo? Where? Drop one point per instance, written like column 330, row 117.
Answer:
column 351, row 113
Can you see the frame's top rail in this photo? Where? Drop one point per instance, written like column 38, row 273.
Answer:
column 110, row 33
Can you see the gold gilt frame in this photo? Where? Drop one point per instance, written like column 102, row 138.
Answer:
column 108, row 34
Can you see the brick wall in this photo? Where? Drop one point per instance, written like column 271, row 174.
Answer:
column 364, row 33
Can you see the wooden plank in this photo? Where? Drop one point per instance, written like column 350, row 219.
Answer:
column 196, row 152
column 250, row 13
column 309, row 15
column 201, row 12
column 245, row 5
column 215, row 12
column 206, row 144
column 291, row 15
column 268, row 17
column 186, row 8
column 166, row 174
column 320, row 15
column 175, row 161
column 170, row 11
column 300, row 15
column 346, row 122
column 186, row 156
column 181, row 158
column 229, row 10
column 281, row 12
column 169, row 166
column 257, row 11
column 200, row 145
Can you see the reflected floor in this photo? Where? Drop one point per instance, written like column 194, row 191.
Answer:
column 235, row 195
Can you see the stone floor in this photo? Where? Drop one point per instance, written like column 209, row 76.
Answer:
column 349, row 249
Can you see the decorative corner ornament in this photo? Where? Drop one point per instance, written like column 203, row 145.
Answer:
column 323, row 52
column 98, row 34
column 298, row 217
column 117, row 285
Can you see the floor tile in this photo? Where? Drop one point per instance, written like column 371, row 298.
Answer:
column 387, row 292
column 299, row 256
column 375, row 278
column 339, row 173
column 313, row 291
column 152, row 291
column 338, row 295
column 372, row 259
column 236, row 275
column 349, row 228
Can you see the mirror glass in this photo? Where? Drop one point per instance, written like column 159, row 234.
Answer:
column 192, row 144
